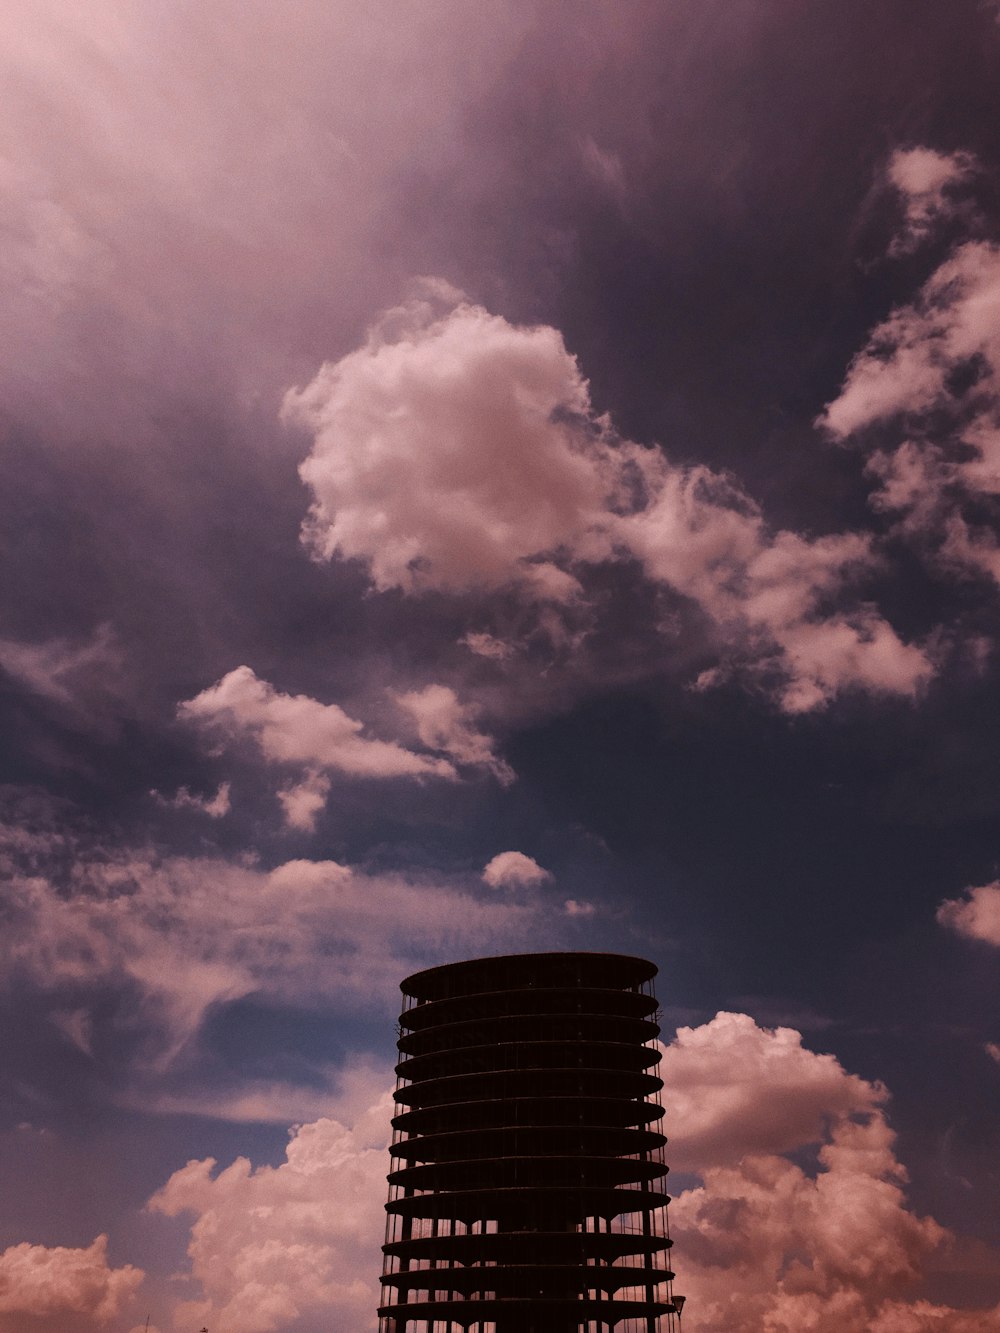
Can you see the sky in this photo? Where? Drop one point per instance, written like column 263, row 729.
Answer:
column 481, row 478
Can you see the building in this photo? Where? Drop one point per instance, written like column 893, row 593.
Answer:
column 526, row 1187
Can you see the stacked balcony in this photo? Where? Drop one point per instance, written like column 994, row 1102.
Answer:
column 526, row 1189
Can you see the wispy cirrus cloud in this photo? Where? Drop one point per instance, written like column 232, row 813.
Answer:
column 120, row 205
column 83, row 678
column 60, row 669
column 175, row 937
column 342, row 1092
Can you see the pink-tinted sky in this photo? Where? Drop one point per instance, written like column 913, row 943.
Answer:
column 483, row 477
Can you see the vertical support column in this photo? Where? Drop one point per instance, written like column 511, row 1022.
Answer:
column 647, row 1232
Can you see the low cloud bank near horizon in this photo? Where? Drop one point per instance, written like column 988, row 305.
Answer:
column 766, row 1243
column 50, row 1289
column 761, row 1241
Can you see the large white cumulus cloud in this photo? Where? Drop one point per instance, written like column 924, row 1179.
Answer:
column 56, row 1288
column 457, row 451
column 273, row 1244
column 455, row 454
column 765, row 1245
column 734, row 1088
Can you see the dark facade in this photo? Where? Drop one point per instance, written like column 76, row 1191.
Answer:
column 526, row 1189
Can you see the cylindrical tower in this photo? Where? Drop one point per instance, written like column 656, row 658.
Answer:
column 525, row 1194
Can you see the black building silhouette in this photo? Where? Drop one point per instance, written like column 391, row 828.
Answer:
column 525, row 1194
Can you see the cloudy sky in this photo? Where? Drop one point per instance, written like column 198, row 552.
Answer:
column 483, row 477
